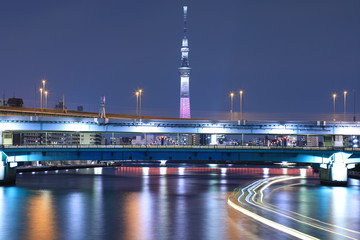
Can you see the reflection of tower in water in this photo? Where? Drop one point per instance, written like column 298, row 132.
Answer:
column 184, row 74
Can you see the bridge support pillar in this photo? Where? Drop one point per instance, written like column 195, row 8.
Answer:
column 7, row 171
column 335, row 171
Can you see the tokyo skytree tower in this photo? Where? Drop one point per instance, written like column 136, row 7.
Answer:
column 184, row 74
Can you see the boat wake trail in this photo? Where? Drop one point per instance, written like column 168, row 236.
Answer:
column 250, row 200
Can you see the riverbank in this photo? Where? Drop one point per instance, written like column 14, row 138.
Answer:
column 145, row 164
column 351, row 174
column 56, row 167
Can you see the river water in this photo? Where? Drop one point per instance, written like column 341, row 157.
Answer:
column 169, row 203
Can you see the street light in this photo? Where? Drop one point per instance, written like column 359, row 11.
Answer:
column 241, row 114
column 43, row 84
column 241, row 104
column 354, row 117
column 334, row 102
column 345, row 94
column 43, row 94
column 137, row 102
column 46, row 95
column 231, row 105
column 140, row 100
column 41, row 98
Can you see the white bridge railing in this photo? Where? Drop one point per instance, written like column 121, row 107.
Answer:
column 220, row 147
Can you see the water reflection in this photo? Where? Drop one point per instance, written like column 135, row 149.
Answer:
column 338, row 207
column 180, row 205
column 98, row 170
column 181, row 171
column 223, row 171
column 133, row 216
column 97, row 207
column 146, row 202
column 41, row 217
column 155, row 203
column 145, row 171
column 163, row 170
column 75, row 211
column 303, row 172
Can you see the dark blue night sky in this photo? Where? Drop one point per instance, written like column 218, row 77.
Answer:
column 288, row 56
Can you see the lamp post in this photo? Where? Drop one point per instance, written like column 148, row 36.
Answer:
column 231, row 105
column 137, row 103
column 354, row 117
column 43, row 84
column 345, row 94
column 241, row 114
column 140, row 101
column 45, row 96
column 41, row 98
column 241, row 104
column 334, row 103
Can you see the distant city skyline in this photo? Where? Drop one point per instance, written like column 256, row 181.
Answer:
column 288, row 57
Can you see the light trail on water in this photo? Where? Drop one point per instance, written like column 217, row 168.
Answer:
column 251, row 198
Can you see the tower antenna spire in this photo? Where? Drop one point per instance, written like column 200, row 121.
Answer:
column 185, row 19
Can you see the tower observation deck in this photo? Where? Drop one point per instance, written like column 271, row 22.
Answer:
column 185, row 70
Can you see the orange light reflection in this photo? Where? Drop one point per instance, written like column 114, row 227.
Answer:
column 41, row 217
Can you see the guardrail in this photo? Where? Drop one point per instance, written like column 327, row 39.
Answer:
column 85, row 146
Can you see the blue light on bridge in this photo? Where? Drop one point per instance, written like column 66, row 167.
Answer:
column 354, row 141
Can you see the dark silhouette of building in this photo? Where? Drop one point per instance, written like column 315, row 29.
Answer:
column 15, row 102
column 60, row 106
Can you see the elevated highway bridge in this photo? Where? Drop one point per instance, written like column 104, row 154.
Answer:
column 334, row 157
column 81, row 124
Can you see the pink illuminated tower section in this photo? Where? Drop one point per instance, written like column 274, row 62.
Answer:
column 184, row 74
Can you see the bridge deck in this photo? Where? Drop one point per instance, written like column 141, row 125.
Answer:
column 176, row 152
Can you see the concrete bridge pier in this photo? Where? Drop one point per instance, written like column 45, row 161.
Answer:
column 7, row 171
column 334, row 171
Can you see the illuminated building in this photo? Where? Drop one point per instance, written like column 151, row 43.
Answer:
column 52, row 138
